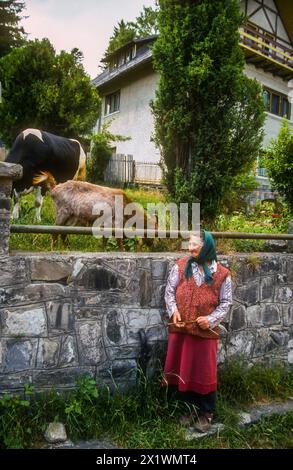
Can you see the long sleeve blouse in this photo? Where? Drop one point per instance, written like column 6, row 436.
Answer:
column 225, row 293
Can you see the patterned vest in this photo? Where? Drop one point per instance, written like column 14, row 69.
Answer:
column 195, row 301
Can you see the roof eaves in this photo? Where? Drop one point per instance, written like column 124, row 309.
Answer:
column 134, row 41
column 107, row 76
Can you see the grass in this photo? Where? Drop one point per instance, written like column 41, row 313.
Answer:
column 147, row 417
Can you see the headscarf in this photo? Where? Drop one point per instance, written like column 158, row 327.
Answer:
column 207, row 253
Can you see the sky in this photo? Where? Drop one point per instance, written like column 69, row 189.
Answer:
column 85, row 24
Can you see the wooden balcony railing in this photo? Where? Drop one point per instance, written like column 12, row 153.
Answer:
column 266, row 52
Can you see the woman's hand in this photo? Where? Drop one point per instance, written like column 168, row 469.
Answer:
column 203, row 323
column 177, row 319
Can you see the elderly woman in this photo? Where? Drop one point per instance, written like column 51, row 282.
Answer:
column 198, row 296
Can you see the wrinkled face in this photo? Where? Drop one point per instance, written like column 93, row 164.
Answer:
column 194, row 245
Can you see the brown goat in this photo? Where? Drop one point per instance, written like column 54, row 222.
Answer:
column 78, row 203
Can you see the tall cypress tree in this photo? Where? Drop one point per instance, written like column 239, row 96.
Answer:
column 11, row 33
column 208, row 114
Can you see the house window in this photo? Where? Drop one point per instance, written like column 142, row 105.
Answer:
column 276, row 103
column 112, row 103
column 275, row 108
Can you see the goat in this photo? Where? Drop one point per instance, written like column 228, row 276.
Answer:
column 79, row 203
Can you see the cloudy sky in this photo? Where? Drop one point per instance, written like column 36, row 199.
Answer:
column 86, row 24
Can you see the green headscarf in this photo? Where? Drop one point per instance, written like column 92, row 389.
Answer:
column 207, row 253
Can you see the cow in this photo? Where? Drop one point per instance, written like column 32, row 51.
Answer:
column 79, row 203
column 36, row 150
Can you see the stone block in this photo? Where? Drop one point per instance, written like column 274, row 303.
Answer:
column 249, row 294
column 117, row 370
column 77, row 270
column 136, row 318
column 90, row 342
column 50, row 270
column 158, row 294
column 289, row 266
column 20, row 355
column 221, row 356
column 10, row 172
column 13, row 271
column 66, row 376
column 43, row 291
column 253, row 315
column 287, row 315
column 68, row 354
column 271, row 265
column 125, row 268
column 91, row 312
column 240, row 343
column 48, row 352
column 156, row 333
column 12, row 296
column 264, row 343
column 124, row 352
column 60, row 316
column 159, row 269
column 290, row 357
column 238, row 317
column 279, row 337
column 15, row 381
column 284, row 294
column 267, row 289
column 24, row 321
column 145, row 289
column 114, row 331
column 270, row 314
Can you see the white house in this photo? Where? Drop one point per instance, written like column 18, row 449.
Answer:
column 129, row 83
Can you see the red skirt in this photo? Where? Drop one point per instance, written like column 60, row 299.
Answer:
column 191, row 363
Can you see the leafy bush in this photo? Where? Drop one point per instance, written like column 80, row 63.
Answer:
column 279, row 163
column 101, row 152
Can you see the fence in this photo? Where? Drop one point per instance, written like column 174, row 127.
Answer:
column 120, row 169
column 123, row 169
column 147, row 173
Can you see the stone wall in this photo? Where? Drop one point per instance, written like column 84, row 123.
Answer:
column 63, row 315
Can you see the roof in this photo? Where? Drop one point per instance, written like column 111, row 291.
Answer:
column 109, row 75
column 125, row 46
column 285, row 8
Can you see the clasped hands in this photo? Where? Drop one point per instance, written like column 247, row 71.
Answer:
column 202, row 322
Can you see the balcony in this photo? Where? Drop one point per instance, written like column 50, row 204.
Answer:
column 263, row 51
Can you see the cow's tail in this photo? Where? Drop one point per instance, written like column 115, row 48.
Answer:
column 47, row 177
column 80, row 174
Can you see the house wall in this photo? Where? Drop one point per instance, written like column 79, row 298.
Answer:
column 135, row 119
column 273, row 122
